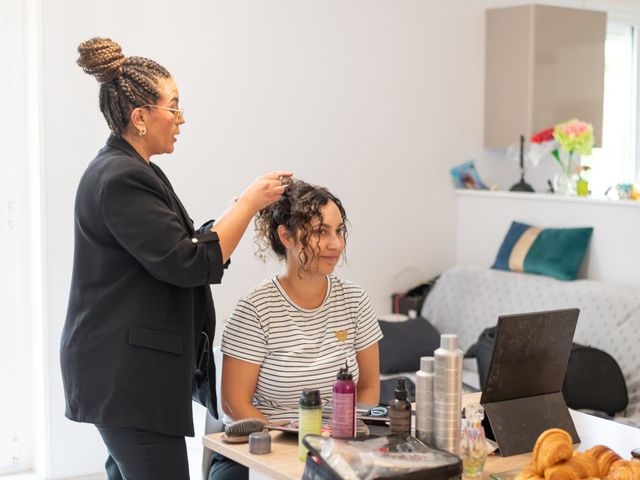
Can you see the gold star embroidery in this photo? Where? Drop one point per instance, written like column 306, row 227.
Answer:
column 342, row 335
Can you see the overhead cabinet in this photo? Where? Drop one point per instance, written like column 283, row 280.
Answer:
column 544, row 65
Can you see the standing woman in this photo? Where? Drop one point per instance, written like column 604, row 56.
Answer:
column 140, row 303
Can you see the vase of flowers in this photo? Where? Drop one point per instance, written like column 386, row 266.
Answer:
column 566, row 142
column 565, row 181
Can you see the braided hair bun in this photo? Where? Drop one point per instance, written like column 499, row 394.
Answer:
column 125, row 82
column 102, row 58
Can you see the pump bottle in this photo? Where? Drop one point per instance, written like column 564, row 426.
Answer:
column 343, row 420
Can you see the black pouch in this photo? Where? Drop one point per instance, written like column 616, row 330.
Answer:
column 594, row 381
column 383, row 452
column 204, row 377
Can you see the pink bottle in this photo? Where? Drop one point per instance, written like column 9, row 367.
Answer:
column 343, row 422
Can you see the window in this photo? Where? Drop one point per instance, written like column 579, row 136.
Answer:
column 617, row 159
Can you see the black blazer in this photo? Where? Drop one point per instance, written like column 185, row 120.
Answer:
column 139, row 297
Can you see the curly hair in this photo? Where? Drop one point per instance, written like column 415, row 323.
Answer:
column 298, row 206
column 125, row 82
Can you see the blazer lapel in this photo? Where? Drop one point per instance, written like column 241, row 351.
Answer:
column 183, row 211
column 121, row 144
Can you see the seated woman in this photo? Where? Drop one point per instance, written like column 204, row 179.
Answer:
column 297, row 329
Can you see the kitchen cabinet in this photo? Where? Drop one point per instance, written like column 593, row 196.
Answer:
column 543, row 65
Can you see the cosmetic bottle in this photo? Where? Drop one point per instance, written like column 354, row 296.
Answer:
column 309, row 418
column 400, row 411
column 424, row 400
column 343, row 418
column 473, row 445
column 447, row 394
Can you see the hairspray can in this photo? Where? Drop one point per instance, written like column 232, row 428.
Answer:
column 447, row 394
column 309, row 418
column 343, row 418
column 424, row 400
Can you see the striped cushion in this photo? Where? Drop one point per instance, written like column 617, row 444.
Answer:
column 555, row 252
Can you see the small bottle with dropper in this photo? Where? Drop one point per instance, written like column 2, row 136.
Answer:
column 400, row 411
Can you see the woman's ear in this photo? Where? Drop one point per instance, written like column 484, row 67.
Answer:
column 137, row 119
column 285, row 237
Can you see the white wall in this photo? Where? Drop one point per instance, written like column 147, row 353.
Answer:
column 374, row 99
column 613, row 253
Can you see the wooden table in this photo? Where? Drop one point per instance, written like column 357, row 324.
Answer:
column 283, row 464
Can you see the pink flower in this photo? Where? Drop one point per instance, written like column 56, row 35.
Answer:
column 574, row 135
column 574, row 129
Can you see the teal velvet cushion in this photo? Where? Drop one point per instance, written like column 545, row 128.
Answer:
column 555, row 252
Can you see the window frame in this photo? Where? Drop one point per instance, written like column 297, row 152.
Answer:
column 636, row 100
column 632, row 19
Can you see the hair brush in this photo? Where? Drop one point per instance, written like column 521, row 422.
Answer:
column 239, row 431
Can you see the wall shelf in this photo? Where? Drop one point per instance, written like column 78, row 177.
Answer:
column 547, row 197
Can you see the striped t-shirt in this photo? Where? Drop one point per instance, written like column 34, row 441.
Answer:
column 299, row 348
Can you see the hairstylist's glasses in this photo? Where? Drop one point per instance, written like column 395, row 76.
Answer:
column 178, row 113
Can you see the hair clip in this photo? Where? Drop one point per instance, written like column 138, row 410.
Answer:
column 285, row 181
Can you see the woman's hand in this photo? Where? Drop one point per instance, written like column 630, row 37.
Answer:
column 261, row 193
column 264, row 190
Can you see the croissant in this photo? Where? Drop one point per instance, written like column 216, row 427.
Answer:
column 624, row 470
column 587, row 463
column 605, row 458
column 552, row 447
column 562, row 471
column 579, row 466
column 554, row 459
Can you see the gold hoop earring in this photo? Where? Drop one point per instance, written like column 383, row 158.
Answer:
column 142, row 131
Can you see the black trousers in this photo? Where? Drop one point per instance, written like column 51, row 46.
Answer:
column 136, row 454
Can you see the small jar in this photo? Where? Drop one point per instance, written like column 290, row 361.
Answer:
column 260, row 443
